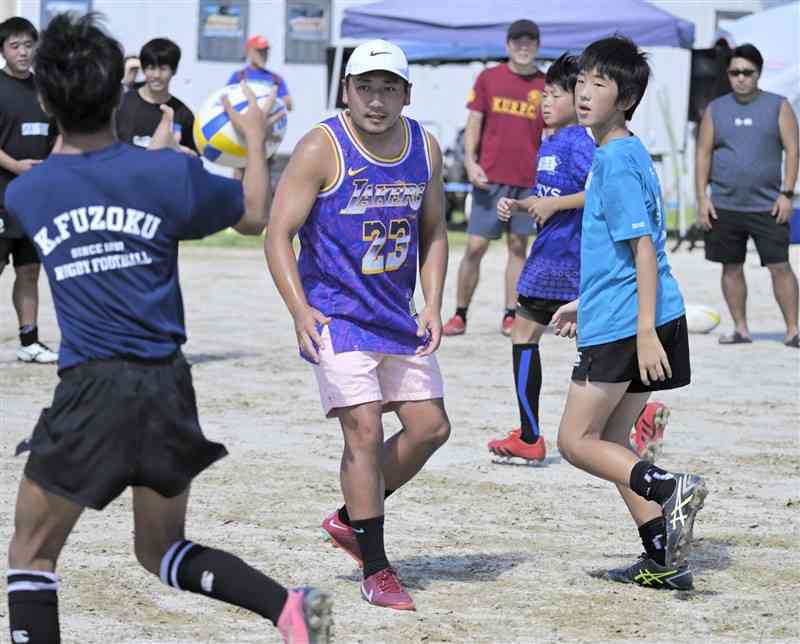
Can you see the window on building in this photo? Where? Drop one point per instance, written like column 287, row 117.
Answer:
column 50, row 8
column 308, row 30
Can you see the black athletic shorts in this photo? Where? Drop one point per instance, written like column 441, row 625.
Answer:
column 726, row 242
column 115, row 423
column 617, row 361
column 20, row 249
column 538, row 309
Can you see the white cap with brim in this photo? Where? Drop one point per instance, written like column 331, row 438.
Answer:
column 378, row 56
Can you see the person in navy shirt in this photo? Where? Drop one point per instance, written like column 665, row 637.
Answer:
column 257, row 50
column 632, row 336
column 549, row 278
column 124, row 412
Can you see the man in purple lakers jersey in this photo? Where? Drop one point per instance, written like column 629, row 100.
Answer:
column 364, row 191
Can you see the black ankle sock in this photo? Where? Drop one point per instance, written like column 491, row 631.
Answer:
column 223, row 576
column 28, row 335
column 369, row 533
column 461, row 311
column 33, row 607
column 651, row 482
column 344, row 517
column 528, row 381
column 510, row 313
column 654, row 539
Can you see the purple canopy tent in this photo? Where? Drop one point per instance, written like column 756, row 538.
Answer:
column 476, row 30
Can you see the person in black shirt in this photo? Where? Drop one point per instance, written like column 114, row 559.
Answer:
column 140, row 110
column 26, row 137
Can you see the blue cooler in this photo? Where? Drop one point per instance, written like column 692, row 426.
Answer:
column 794, row 227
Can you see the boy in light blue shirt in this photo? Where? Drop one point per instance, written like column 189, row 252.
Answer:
column 632, row 335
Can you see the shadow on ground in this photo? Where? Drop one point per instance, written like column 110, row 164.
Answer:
column 418, row 572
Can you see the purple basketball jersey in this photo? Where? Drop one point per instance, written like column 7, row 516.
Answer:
column 358, row 247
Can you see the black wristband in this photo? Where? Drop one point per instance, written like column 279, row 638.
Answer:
column 789, row 194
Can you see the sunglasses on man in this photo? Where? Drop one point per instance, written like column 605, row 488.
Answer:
column 747, row 73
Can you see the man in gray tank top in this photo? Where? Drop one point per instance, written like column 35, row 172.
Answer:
column 741, row 145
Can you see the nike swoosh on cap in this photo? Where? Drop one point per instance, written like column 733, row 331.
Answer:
column 378, row 53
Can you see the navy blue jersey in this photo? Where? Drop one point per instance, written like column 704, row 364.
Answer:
column 552, row 270
column 106, row 225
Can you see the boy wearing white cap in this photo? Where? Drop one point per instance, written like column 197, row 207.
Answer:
column 364, row 192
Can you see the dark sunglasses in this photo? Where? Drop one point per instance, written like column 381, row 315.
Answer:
column 747, row 73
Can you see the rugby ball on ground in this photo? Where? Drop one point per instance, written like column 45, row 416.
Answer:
column 701, row 318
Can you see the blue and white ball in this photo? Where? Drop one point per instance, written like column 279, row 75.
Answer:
column 214, row 135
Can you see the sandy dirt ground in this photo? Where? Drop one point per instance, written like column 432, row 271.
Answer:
column 491, row 553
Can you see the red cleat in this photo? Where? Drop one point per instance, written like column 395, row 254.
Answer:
column 647, row 436
column 514, row 446
column 507, row 324
column 342, row 536
column 385, row 590
column 455, row 326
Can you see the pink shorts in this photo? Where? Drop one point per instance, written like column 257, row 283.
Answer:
column 358, row 377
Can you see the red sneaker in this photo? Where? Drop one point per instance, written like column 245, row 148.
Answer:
column 384, row 589
column 306, row 617
column 514, row 446
column 506, row 324
column 647, row 436
column 342, row 536
column 455, row 326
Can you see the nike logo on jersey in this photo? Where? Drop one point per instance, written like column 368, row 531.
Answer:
column 358, row 530
column 352, row 173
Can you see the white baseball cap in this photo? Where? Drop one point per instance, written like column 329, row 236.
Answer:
column 378, row 55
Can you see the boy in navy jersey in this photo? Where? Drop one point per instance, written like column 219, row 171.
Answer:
column 632, row 336
column 124, row 411
column 364, row 192
column 549, row 278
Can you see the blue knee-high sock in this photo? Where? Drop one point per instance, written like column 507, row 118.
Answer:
column 528, row 381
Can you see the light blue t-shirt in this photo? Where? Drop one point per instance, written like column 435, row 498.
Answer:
column 623, row 202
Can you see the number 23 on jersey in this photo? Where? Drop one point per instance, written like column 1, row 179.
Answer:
column 380, row 257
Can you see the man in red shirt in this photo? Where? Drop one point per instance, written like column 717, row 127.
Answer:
column 505, row 124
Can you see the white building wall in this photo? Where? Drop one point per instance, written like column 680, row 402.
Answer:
column 134, row 22
column 439, row 93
